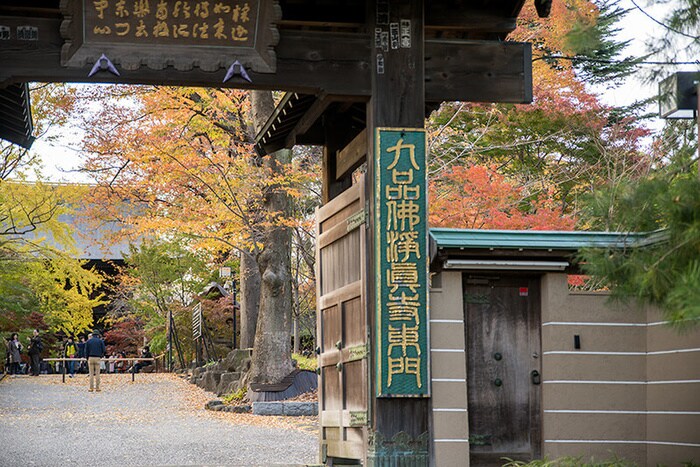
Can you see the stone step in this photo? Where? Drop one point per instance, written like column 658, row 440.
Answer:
column 285, row 408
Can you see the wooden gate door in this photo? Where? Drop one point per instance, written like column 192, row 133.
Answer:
column 502, row 318
column 342, row 326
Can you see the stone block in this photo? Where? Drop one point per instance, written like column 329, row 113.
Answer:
column 238, row 408
column 296, row 409
column 210, row 381
column 268, row 408
column 225, row 389
column 229, row 377
column 238, row 360
column 212, row 405
column 228, row 383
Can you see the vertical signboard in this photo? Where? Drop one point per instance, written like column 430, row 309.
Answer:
column 197, row 321
column 401, row 220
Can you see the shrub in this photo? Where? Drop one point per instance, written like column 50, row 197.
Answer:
column 305, row 363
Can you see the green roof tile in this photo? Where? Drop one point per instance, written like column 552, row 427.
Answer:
column 541, row 239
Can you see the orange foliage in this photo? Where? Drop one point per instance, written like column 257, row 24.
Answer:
column 178, row 160
column 477, row 197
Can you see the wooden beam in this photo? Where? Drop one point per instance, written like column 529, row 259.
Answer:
column 309, row 118
column 478, row 71
column 307, row 62
column 351, row 156
column 442, row 17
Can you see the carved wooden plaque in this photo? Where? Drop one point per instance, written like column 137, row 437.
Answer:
column 209, row 34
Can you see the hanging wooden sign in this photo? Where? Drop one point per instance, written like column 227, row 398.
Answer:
column 402, row 352
column 208, row 34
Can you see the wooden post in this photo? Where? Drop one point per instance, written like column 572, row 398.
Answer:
column 399, row 425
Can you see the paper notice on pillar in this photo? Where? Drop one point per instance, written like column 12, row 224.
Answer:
column 401, row 346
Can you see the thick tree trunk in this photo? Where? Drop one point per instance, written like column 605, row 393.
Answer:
column 250, row 298
column 272, row 350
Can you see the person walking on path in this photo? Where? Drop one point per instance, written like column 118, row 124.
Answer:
column 15, row 348
column 35, row 348
column 94, row 351
column 70, row 350
column 81, row 354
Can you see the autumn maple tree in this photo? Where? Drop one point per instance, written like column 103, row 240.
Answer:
column 529, row 166
column 478, row 197
column 180, row 161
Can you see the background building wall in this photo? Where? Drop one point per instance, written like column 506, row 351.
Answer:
column 631, row 390
column 448, row 370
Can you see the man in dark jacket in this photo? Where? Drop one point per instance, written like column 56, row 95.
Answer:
column 35, row 348
column 94, row 351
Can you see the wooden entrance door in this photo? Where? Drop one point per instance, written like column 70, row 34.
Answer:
column 502, row 321
column 342, row 326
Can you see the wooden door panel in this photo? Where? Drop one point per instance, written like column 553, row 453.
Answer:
column 332, row 328
column 339, row 217
column 355, row 394
column 503, row 339
column 340, row 262
column 354, row 323
column 342, row 326
column 331, row 389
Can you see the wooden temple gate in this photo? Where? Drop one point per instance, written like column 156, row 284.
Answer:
column 342, row 325
column 361, row 76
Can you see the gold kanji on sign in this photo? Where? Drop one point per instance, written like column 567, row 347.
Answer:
column 401, row 245
column 402, row 275
column 100, row 7
column 403, row 337
column 404, row 308
column 404, row 366
column 403, row 192
column 403, row 215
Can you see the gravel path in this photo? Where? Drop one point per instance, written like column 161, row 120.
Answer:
column 159, row 420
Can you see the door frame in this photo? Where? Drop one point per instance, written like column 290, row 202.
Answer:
column 533, row 279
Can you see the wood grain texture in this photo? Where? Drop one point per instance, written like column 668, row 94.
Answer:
column 308, row 62
column 398, row 100
column 352, row 155
column 502, row 318
column 342, row 327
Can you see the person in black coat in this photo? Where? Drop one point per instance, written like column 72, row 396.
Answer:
column 14, row 347
column 94, row 351
column 35, row 348
column 81, row 354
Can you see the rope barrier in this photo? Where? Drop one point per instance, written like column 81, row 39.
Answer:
column 130, row 359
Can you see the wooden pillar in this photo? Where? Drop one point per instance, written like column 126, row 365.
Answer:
column 399, row 426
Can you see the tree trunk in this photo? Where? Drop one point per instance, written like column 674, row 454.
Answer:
column 272, row 350
column 250, row 298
